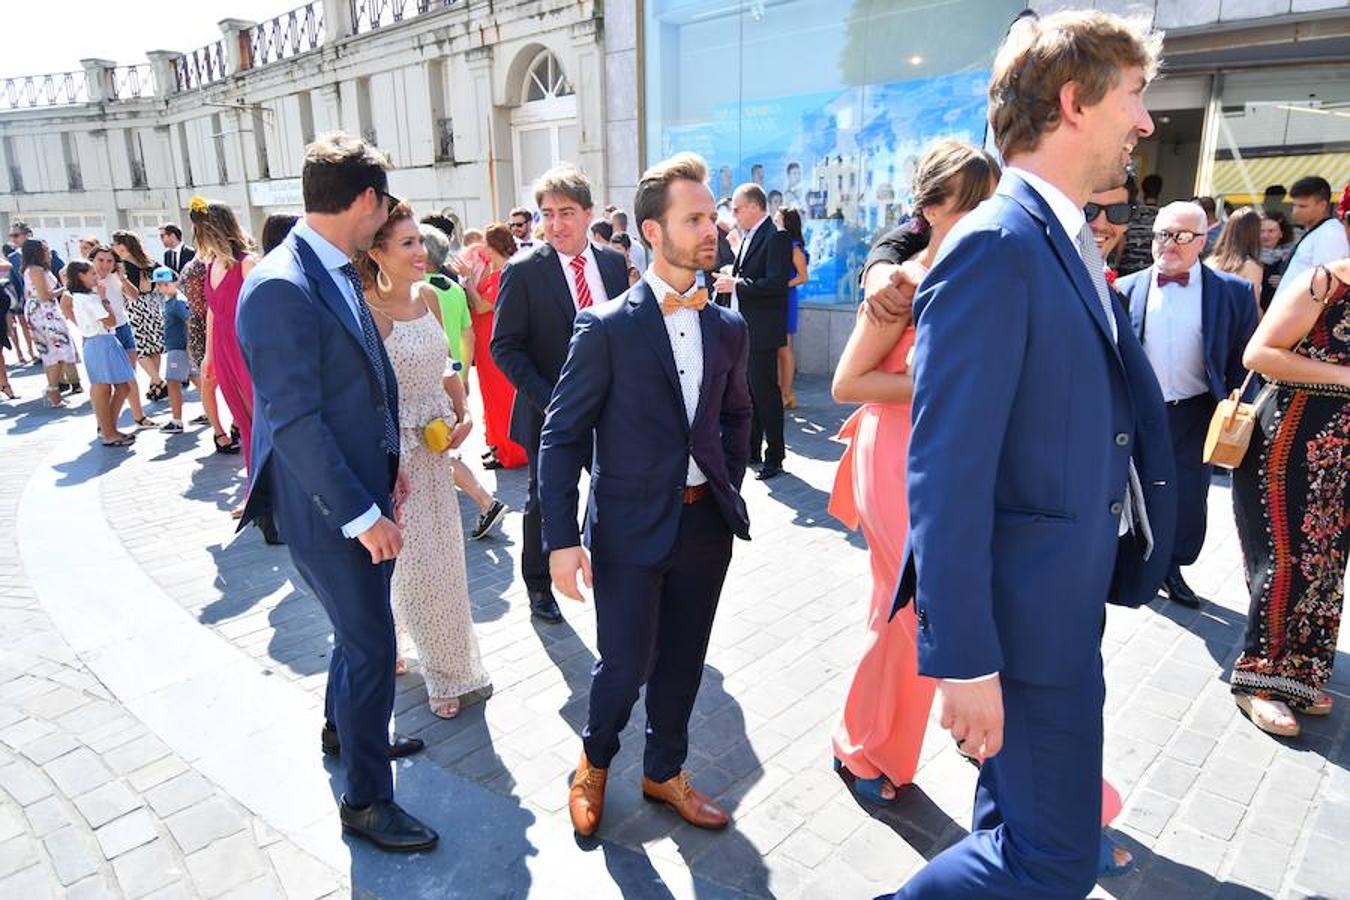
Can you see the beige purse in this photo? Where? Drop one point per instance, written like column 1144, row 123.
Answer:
column 1230, row 429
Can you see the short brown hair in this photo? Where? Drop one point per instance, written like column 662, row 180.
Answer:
column 653, row 192
column 567, row 181
column 955, row 169
column 1040, row 56
column 498, row 237
column 339, row 168
column 367, row 267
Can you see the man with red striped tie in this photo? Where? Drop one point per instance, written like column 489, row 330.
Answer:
column 542, row 290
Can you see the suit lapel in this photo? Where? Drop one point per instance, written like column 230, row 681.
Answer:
column 710, row 324
column 1209, row 312
column 647, row 309
column 553, row 272
column 328, row 291
column 613, row 273
column 756, row 240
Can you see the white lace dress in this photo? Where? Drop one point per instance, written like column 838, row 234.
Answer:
column 431, row 585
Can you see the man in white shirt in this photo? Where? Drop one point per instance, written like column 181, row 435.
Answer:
column 520, row 221
column 1324, row 240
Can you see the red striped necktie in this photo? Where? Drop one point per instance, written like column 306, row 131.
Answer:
column 583, row 288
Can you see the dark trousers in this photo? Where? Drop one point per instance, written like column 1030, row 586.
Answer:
column 1037, row 824
column 533, row 560
column 762, row 373
column 1189, row 422
column 360, row 696
column 652, row 627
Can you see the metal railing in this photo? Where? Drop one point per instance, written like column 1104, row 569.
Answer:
column 369, row 15
column 289, row 34
column 56, row 89
column 202, row 66
column 132, row 82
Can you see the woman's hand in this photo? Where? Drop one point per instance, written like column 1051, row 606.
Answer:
column 208, row 371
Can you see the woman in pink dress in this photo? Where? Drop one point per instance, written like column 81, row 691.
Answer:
column 217, row 235
column 886, row 710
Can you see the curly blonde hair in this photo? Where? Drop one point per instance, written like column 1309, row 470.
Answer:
column 215, row 230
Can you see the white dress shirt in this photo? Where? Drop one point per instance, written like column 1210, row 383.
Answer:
column 686, row 342
column 741, row 250
column 1174, row 336
column 592, row 273
column 1324, row 244
column 334, row 259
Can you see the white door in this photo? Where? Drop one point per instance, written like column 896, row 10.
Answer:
column 544, row 129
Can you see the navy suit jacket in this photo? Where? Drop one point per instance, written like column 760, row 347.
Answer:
column 620, row 380
column 1228, row 320
column 765, row 270
column 533, row 324
column 318, row 414
column 1025, row 416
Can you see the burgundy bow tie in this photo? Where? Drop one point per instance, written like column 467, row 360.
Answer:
column 1180, row 280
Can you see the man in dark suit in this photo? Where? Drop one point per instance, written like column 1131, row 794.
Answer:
column 757, row 288
column 1038, row 475
column 325, row 462
column 659, row 377
column 176, row 253
column 542, row 290
column 1194, row 323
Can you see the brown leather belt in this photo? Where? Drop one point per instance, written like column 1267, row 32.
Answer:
column 696, row 493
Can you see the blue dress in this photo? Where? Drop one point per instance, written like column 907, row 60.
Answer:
column 793, row 293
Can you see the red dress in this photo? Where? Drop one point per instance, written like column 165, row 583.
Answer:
column 227, row 359
column 498, row 393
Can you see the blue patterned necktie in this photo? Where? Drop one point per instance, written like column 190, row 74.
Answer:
column 370, row 336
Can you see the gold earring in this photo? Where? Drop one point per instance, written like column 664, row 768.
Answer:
column 382, row 282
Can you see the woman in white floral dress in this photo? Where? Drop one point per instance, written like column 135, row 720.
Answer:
column 431, row 586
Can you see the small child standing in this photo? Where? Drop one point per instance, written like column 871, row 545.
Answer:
column 178, row 367
column 106, row 361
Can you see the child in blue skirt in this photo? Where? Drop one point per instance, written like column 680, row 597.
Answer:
column 104, row 359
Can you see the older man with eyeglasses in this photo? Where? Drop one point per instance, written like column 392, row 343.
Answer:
column 1194, row 323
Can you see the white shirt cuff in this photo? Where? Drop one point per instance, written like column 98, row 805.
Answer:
column 361, row 524
column 970, row 680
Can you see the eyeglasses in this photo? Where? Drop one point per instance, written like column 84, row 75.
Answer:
column 1116, row 213
column 1180, row 238
column 390, row 202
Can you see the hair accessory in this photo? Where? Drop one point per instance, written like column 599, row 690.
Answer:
column 197, row 205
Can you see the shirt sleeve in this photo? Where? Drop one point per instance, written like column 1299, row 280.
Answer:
column 362, row 523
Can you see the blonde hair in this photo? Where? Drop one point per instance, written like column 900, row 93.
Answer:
column 1040, row 56
column 216, row 231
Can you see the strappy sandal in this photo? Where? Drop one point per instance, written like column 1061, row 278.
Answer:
column 446, row 709
column 54, row 397
column 1258, row 710
column 1319, row 707
column 870, row 789
column 146, row 422
column 125, row 440
column 9, row 391
column 1108, row 864
column 230, row 445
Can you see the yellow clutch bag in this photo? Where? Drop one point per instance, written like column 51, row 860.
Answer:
column 436, row 435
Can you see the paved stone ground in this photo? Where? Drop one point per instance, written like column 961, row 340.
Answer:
column 1213, row 808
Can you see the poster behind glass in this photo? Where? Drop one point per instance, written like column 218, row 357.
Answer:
column 844, row 158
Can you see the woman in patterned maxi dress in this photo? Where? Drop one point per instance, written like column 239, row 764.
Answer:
column 1290, row 500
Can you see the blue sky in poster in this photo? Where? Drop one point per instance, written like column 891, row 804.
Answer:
column 845, row 157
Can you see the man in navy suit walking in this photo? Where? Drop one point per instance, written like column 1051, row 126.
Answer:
column 659, row 376
column 1038, row 467
column 325, row 452
column 1194, row 323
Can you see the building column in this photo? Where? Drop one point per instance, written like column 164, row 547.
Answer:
column 326, row 102
column 337, row 20
column 238, row 48
column 164, row 64
column 479, row 127
column 589, row 82
column 98, row 78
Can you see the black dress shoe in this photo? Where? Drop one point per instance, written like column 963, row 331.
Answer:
column 269, row 530
column 769, row 471
column 401, row 746
column 755, row 459
column 1178, row 591
column 544, row 608
column 385, row 824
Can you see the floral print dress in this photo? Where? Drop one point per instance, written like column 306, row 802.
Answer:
column 1291, row 498
column 51, row 337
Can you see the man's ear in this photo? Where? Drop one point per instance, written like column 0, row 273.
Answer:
column 1070, row 109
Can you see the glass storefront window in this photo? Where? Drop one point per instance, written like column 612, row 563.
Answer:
column 827, row 104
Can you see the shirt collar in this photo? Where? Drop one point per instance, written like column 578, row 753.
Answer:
column 1067, row 213
column 331, row 257
column 660, row 288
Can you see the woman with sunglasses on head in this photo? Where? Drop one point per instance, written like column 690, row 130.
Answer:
column 1238, row 249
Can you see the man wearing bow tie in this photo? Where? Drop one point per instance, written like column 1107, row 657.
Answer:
column 1194, row 323
column 658, row 375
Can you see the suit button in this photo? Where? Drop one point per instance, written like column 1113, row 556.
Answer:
column 1122, row 439
column 1117, row 508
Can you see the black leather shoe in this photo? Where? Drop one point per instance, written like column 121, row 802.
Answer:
column 769, row 472
column 385, row 824
column 1178, row 591
column 544, row 608
column 401, row 746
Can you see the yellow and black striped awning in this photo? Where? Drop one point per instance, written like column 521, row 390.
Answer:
column 1245, row 180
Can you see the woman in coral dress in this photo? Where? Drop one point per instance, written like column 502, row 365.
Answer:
column 498, row 393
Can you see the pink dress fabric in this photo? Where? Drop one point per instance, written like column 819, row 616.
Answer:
column 887, row 706
column 227, row 359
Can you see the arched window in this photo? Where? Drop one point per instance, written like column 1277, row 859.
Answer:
column 546, row 80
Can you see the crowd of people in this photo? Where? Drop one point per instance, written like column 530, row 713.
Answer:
column 1012, row 474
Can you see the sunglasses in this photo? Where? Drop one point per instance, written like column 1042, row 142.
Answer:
column 1116, row 213
column 1180, row 238
column 520, row 224
column 390, row 201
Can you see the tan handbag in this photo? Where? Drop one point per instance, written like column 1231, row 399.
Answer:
column 1230, row 429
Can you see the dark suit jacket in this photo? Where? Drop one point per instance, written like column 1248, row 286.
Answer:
column 533, row 325
column 186, row 255
column 1228, row 320
column 766, row 267
column 318, row 413
column 620, row 381
column 1026, row 414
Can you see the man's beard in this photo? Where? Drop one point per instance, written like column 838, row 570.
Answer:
column 676, row 257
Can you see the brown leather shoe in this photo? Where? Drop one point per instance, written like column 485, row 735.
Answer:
column 693, row 806
column 586, row 799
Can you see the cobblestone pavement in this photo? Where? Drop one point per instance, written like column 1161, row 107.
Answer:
column 1213, row 808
